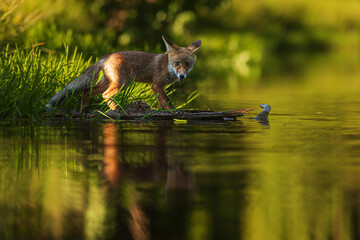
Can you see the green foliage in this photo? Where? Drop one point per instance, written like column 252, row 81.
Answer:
column 28, row 79
column 104, row 24
column 52, row 37
column 236, row 35
column 232, row 54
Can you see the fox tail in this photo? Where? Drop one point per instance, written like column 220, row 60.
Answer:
column 78, row 84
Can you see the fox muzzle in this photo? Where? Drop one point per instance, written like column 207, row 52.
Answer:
column 181, row 77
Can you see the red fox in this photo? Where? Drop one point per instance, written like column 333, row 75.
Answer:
column 120, row 68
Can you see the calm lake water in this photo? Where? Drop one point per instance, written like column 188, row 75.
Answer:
column 296, row 178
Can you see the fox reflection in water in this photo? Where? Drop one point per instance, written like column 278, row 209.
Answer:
column 172, row 175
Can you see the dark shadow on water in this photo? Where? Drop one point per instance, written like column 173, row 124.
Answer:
column 152, row 193
column 117, row 168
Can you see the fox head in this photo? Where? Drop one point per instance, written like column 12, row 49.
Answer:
column 181, row 59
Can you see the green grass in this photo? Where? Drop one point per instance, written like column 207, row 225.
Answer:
column 29, row 78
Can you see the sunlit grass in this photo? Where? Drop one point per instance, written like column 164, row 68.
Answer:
column 29, row 78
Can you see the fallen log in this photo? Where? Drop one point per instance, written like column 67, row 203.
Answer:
column 176, row 114
column 141, row 111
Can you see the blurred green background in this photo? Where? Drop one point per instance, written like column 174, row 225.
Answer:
column 236, row 35
column 48, row 43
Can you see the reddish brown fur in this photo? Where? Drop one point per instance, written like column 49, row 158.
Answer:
column 121, row 68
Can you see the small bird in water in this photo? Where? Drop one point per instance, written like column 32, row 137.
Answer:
column 263, row 115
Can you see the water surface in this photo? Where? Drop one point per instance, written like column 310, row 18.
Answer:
column 295, row 178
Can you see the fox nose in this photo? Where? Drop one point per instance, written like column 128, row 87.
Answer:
column 182, row 76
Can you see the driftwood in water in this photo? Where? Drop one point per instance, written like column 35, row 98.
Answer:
column 177, row 114
column 141, row 111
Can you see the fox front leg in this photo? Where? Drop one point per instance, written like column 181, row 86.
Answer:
column 163, row 99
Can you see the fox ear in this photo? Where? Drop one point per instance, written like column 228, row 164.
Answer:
column 170, row 46
column 195, row 46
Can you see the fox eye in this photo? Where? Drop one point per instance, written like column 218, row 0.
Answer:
column 187, row 64
column 177, row 63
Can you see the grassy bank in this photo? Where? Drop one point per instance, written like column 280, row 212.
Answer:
column 29, row 78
